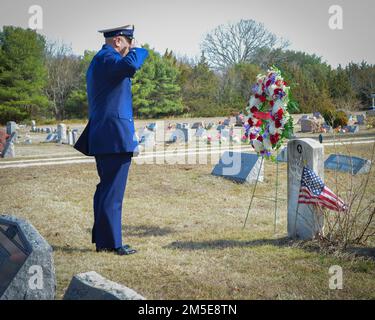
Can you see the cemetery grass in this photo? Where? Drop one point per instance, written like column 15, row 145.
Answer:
column 187, row 226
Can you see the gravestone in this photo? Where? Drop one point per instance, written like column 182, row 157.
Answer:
column 147, row 138
column 303, row 152
column 197, row 125
column 201, row 132
column 26, row 263
column 92, row 286
column 226, row 122
column 52, row 137
column 151, row 126
column 61, row 133
column 180, row 126
column 12, row 128
column 361, row 119
column 220, row 127
column 33, row 126
column 75, row 136
column 70, row 137
column 352, row 129
column 9, row 149
column 354, row 165
column 307, row 125
column 182, row 134
column 240, row 167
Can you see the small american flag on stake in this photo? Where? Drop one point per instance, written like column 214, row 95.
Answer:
column 314, row 191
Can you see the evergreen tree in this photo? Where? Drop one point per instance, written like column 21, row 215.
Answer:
column 155, row 88
column 22, row 74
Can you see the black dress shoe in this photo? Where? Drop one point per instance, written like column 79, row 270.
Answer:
column 125, row 250
column 111, row 249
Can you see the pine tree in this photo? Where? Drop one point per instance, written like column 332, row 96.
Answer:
column 22, row 74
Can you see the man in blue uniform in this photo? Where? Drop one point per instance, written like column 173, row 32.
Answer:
column 110, row 134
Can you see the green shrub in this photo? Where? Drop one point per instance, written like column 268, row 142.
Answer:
column 335, row 118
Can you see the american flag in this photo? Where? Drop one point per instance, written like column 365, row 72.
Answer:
column 314, row 191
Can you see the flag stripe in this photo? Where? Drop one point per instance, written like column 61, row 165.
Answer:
column 314, row 191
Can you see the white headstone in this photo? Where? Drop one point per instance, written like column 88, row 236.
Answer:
column 303, row 152
column 70, row 137
column 61, row 132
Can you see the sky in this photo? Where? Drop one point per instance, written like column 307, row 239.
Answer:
column 181, row 25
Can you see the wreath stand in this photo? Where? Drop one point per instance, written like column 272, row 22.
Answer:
column 274, row 199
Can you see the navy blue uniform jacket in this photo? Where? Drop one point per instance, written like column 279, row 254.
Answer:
column 111, row 125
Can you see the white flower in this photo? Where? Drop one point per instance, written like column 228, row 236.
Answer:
column 258, row 146
column 267, row 143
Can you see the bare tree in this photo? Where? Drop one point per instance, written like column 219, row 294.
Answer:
column 234, row 43
column 63, row 73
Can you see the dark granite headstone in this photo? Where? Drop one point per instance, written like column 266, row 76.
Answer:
column 26, row 263
column 240, row 167
column 354, row 165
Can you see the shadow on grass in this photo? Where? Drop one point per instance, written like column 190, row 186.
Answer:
column 68, row 249
column 223, row 244
column 279, row 242
column 145, row 231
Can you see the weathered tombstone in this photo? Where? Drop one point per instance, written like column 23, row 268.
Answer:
column 26, row 263
column 9, row 149
column 92, row 286
column 240, row 167
column 70, row 137
column 307, row 125
column 33, row 126
column 12, row 128
column 354, row 165
column 61, row 133
column 305, row 223
column 304, row 117
column 75, row 136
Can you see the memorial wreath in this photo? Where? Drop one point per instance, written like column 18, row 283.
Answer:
column 268, row 119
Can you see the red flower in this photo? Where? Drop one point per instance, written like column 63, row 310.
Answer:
column 274, row 138
column 277, row 91
column 252, row 136
column 250, row 122
column 262, row 98
column 254, row 109
column 280, row 113
column 259, row 123
column 260, row 138
column 268, row 83
column 277, row 123
column 272, row 103
column 256, row 96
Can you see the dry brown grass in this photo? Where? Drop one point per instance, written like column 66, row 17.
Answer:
column 187, row 226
